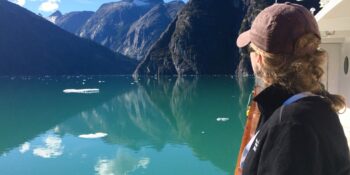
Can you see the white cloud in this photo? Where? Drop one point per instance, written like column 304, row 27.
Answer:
column 49, row 5
column 19, row 2
column 24, row 148
column 52, row 148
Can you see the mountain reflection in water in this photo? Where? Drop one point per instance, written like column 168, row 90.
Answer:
column 151, row 125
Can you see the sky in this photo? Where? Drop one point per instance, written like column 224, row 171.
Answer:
column 47, row 7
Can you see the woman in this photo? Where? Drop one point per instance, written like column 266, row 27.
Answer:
column 299, row 131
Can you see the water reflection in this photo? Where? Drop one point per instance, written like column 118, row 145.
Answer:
column 149, row 114
column 124, row 163
column 30, row 106
column 53, row 147
column 25, row 147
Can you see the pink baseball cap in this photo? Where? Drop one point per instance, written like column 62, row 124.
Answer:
column 277, row 28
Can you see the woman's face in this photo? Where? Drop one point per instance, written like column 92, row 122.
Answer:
column 255, row 59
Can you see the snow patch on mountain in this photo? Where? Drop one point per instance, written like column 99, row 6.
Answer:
column 53, row 18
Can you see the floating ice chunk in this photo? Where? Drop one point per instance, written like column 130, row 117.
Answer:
column 93, row 136
column 222, row 119
column 81, row 91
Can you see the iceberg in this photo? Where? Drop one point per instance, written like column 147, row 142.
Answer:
column 81, row 91
column 93, row 136
column 222, row 119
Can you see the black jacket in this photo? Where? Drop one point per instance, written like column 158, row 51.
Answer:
column 303, row 138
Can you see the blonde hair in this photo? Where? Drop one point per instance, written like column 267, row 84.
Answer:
column 298, row 72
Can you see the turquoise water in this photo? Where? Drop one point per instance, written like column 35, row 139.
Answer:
column 165, row 126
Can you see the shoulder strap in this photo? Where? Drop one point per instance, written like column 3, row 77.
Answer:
column 297, row 97
column 293, row 99
column 247, row 148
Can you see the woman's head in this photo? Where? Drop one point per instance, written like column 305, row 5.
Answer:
column 297, row 72
column 284, row 41
column 287, row 37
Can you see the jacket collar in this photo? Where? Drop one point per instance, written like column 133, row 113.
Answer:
column 270, row 99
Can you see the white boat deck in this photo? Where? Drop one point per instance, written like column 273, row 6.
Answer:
column 333, row 21
column 345, row 120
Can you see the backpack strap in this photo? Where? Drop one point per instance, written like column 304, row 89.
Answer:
column 293, row 99
column 297, row 97
column 247, row 148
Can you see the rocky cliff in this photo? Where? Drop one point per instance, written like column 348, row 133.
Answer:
column 201, row 40
column 146, row 31
column 112, row 21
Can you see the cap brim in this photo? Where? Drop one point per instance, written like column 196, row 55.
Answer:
column 243, row 39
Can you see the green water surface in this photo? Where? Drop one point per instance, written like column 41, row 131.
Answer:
column 151, row 126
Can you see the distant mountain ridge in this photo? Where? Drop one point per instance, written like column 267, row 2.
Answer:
column 31, row 45
column 196, row 39
column 129, row 27
column 73, row 21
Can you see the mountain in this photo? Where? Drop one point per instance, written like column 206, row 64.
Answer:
column 146, row 31
column 129, row 27
column 31, row 45
column 252, row 8
column 145, row 2
column 73, row 21
column 54, row 16
column 199, row 41
column 112, row 21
